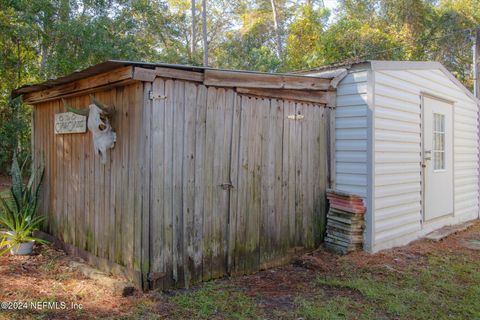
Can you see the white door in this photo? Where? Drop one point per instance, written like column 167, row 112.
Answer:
column 437, row 158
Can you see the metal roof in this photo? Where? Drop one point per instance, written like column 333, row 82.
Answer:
column 94, row 70
column 390, row 65
column 327, row 67
column 114, row 64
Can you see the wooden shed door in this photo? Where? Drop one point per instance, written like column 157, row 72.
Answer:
column 279, row 179
column 236, row 182
column 191, row 132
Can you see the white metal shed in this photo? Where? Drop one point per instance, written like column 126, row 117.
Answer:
column 407, row 141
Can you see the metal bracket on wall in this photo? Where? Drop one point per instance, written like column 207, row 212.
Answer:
column 226, row 186
column 153, row 96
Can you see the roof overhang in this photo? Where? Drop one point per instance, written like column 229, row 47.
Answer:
column 114, row 73
column 391, row 65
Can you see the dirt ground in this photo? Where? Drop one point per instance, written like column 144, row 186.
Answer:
column 313, row 286
column 5, row 182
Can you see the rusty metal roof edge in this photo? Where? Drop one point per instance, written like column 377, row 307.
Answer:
column 340, row 65
column 113, row 64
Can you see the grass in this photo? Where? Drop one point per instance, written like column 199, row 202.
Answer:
column 446, row 287
column 422, row 281
column 443, row 286
column 214, row 301
column 335, row 308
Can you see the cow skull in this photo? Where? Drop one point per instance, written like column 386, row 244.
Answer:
column 104, row 137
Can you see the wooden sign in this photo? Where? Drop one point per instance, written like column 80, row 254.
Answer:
column 69, row 122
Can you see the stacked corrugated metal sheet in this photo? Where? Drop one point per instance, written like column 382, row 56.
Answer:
column 344, row 222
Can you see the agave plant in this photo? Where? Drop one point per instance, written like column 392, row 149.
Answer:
column 18, row 209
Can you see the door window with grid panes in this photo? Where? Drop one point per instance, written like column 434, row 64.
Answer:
column 438, row 151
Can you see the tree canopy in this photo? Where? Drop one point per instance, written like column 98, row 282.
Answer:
column 48, row 38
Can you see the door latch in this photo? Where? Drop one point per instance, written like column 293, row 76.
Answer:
column 226, row 186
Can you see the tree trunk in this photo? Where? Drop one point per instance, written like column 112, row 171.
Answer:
column 43, row 61
column 276, row 25
column 194, row 31
column 204, row 32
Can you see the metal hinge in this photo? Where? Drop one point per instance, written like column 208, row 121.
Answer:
column 153, row 96
column 296, row 116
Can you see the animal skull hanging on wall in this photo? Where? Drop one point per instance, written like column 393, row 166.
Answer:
column 104, row 137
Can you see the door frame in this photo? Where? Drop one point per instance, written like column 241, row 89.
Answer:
column 424, row 95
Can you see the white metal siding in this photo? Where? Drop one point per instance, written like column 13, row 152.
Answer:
column 397, row 154
column 351, row 134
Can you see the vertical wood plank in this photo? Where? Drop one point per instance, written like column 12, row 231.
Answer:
column 321, row 174
column 217, row 179
column 51, row 172
column 60, row 178
column 98, row 187
column 115, row 158
column 157, row 225
column 121, row 179
column 101, row 224
column 179, row 121
column 107, row 227
column 90, row 193
column 82, row 210
column 221, row 175
column 299, row 178
column 286, row 156
column 266, row 180
column 67, row 161
column 168, row 187
column 200, row 186
column 145, row 181
column 47, row 125
column 209, row 185
column 137, row 157
column 128, row 213
column 234, row 192
column 74, row 212
column 243, row 179
column 330, row 146
column 254, row 187
column 308, row 169
column 294, row 143
column 189, row 143
column 277, row 219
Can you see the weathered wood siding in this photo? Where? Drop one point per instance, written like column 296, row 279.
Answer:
column 201, row 184
column 87, row 204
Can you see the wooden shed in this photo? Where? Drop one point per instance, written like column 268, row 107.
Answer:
column 213, row 172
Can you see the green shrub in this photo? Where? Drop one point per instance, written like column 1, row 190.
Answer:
column 18, row 208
